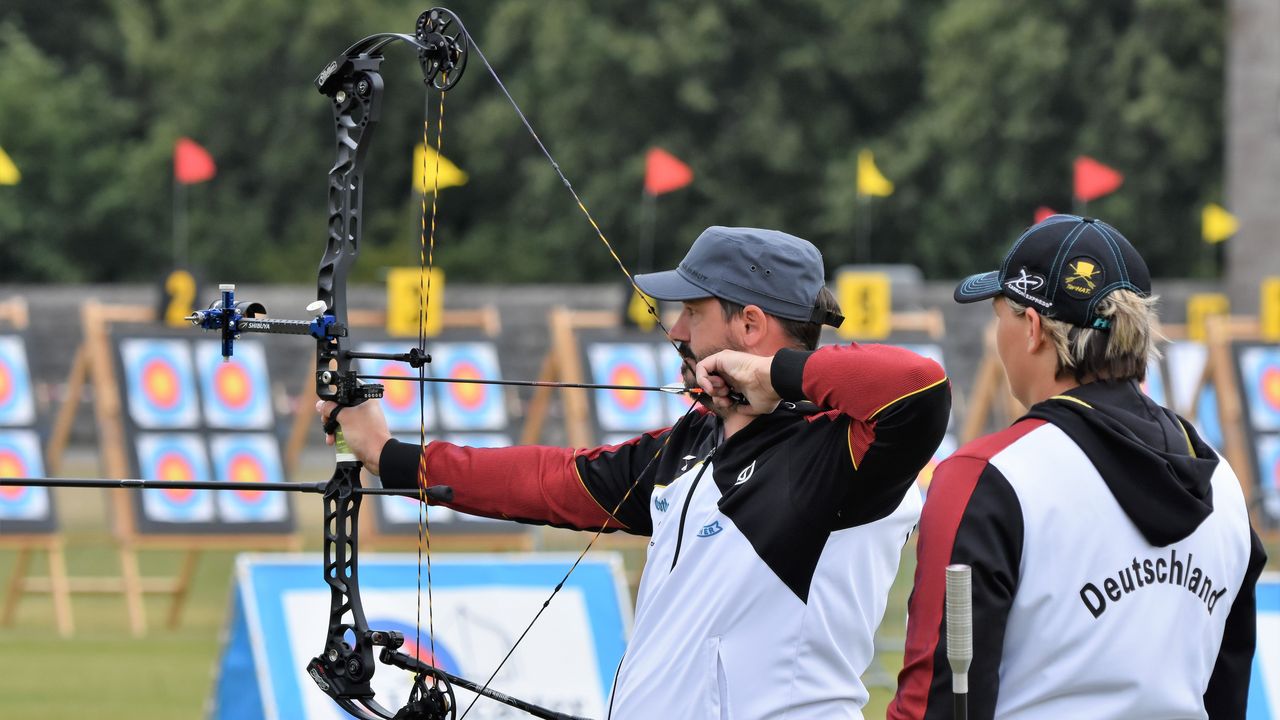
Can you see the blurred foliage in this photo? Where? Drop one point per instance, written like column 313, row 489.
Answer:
column 975, row 109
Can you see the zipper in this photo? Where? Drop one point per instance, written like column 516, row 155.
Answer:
column 684, row 512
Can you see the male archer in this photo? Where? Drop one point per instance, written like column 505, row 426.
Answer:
column 776, row 524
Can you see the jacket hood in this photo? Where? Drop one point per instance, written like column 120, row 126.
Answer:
column 1155, row 464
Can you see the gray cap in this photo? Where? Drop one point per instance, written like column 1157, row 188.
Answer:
column 779, row 273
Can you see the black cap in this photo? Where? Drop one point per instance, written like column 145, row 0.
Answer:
column 779, row 273
column 1063, row 266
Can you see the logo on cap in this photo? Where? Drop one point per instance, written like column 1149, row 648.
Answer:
column 1084, row 275
column 1025, row 284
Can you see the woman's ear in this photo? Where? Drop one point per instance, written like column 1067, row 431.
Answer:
column 1035, row 331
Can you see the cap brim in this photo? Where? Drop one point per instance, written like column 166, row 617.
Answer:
column 669, row 285
column 982, row 286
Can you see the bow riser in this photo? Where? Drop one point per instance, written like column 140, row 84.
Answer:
column 357, row 105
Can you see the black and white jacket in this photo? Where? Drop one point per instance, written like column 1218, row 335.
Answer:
column 1113, row 569
column 772, row 552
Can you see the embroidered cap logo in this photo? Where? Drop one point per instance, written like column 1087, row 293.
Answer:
column 1084, row 276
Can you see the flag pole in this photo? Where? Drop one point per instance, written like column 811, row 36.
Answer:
column 179, row 224
column 649, row 223
column 862, row 249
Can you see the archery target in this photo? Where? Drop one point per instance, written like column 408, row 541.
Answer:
column 1154, row 385
column 160, row 383
column 945, row 448
column 249, row 457
column 928, row 350
column 401, row 509
column 1268, row 474
column 1207, row 420
column 237, row 391
column 1260, row 383
column 400, row 400
column 20, row 457
column 625, row 364
column 1186, row 361
column 174, row 457
column 466, row 406
column 17, row 406
column 479, row 440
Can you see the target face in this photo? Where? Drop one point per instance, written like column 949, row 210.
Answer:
column 1154, row 385
column 249, row 457
column 945, row 448
column 236, row 391
column 17, row 406
column 20, row 457
column 160, row 384
column 1260, row 382
column 1268, row 475
column 402, row 510
column 1207, row 420
column 626, row 364
column 465, row 406
column 1185, row 361
column 174, row 457
column 400, row 401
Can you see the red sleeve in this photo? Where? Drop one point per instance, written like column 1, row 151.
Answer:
column 860, row 381
column 538, row 484
column 970, row 516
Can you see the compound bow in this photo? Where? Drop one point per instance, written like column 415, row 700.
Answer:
column 352, row 81
column 345, row 667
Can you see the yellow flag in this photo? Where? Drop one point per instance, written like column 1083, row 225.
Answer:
column 426, row 161
column 1216, row 224
column 870, row 180
column 638, row 311
column 9, row 174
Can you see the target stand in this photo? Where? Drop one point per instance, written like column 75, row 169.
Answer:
column 36, row 535
column 95, row 364
column 390, row 523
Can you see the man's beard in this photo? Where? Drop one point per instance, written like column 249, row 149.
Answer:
column 689, row 361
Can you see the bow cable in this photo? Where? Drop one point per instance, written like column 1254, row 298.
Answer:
column 426, row 264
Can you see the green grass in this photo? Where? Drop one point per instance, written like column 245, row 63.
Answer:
column 105, row 673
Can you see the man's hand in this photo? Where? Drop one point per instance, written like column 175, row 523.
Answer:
column 730, row 370
column 364, row 428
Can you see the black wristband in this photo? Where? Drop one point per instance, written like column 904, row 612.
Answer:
column 786, row 373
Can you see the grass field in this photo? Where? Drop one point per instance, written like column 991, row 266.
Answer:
column 106, row 674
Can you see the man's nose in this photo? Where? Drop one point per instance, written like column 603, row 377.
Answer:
column 680, row 330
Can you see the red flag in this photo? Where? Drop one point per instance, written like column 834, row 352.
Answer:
column 664, row 172
column 1093, row 179
column 1044, row 211
column 192, row 163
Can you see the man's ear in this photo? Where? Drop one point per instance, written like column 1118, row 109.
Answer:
column 754, row 325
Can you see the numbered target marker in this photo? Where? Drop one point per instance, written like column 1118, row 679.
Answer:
column 17, row 406
column 249, row 457
column 400, row 402
column 237, row 391
column 626, row 364
column 20, row 457
column 160, row 384
column 1260, row 381
column 466, row 406
column 174, row 457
